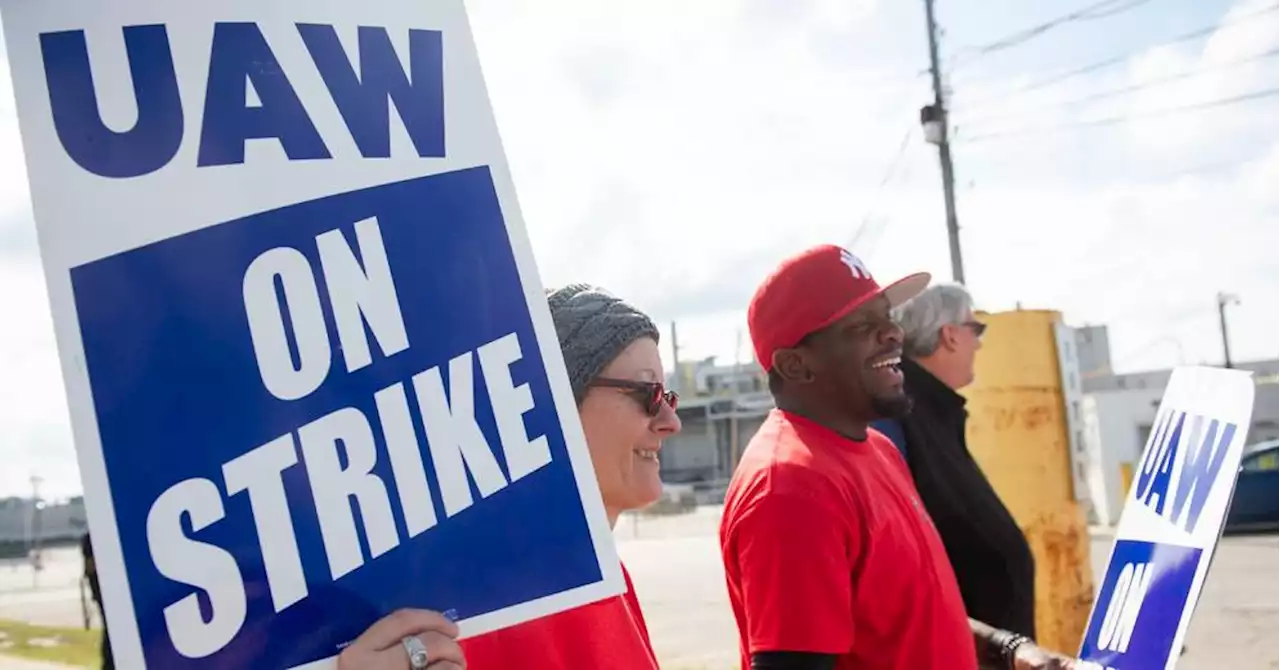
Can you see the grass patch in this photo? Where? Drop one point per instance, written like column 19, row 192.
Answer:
column 72, row 646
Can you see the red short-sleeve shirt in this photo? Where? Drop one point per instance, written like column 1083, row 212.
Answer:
column 607, row 634
column 827, row 549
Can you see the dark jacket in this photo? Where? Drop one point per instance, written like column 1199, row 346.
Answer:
column 90, row 567
column 989, row 553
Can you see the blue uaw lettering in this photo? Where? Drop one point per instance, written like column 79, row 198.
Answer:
column 1180, row 464
column 339, row 450
column 239, row 58
column 1125, row 606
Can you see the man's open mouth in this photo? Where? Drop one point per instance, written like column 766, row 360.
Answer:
column 890, row 362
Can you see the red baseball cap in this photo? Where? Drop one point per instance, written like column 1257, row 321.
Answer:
column 812, row 290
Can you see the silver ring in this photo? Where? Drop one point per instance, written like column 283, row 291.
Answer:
column 417, row 652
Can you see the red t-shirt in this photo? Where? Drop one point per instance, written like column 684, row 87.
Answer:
column 607, row 634
column 827, row 549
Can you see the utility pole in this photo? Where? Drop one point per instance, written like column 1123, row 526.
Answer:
column 934, row 118
column 35, row 554
column 33, row 513
column 733, row 418
column 678, row 379
column 1223, row 300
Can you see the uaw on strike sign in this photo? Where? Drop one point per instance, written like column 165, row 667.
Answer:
column 311, row 370
column 1171, row 521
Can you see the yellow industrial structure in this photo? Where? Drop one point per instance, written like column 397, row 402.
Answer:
column 1019, row 433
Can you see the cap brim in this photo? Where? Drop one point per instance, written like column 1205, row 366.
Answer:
column 906, row 288
column 896, row 293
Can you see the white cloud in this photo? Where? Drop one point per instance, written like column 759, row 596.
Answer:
column 1225, row 69
column 33, row 409
column 718, row 153
column 15, row 200
column 1079, row 219
column 674, row 151
column 1259, row 178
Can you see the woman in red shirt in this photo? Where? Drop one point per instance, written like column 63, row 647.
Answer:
column 611, row 353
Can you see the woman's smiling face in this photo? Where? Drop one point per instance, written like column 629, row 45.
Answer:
column 624, row 439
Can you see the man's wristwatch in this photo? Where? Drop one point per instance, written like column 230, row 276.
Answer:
column 1010, row 646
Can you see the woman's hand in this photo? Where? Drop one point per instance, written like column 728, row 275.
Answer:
column 382, row 647
column 1031, row 657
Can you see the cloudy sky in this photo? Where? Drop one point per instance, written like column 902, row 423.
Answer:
column 690, row 145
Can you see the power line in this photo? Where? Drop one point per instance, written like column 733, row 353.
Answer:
column 865, row 237
column 892, row 167
column 1205, row 168
column 1149, row 347
column 1111, row 120
column 1097, row 10
column 934, row 118
column 868, row 231
column 1022, row 36
column 1215, row 167
column 1179, row 76
column 1119, row 59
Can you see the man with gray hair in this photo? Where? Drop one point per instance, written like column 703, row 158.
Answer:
column 991, row 557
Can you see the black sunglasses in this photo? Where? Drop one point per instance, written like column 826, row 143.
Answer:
column 977, row 327
column 650, row 395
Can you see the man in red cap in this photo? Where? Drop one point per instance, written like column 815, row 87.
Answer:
column 831, row 560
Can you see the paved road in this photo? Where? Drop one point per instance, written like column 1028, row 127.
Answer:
column 51, row 597
column 675, row 564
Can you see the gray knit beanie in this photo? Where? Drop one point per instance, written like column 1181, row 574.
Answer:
column 593, row 327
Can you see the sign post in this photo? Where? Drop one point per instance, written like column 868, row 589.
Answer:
column 311, row 370
column 1171, row 522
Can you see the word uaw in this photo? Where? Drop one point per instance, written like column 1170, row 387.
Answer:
column 1180, row 466
column 360, row 293
column 241, row 61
